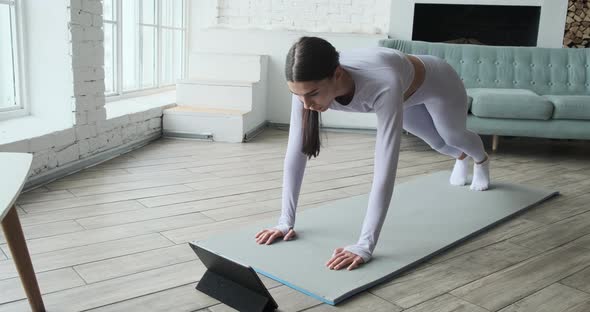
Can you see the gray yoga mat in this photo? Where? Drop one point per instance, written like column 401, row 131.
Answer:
column 426, row 216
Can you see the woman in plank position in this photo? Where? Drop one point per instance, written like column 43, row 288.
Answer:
column 421, row 92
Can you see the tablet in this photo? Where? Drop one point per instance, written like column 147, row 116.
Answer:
column 233, row 283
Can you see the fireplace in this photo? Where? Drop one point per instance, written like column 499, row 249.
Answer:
column 504, row 25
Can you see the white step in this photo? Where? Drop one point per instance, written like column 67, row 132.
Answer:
column 215, row 94
column 224, row 98
column 222, row 125
column 227, row 66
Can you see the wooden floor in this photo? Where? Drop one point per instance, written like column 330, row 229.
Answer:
column 114, row 237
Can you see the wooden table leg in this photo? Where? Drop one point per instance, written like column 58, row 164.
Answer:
column 13, row 234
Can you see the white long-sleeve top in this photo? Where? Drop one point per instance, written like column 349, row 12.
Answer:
column 381, row 75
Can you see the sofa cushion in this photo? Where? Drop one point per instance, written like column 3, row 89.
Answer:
column 509, row 103
column 570, row 106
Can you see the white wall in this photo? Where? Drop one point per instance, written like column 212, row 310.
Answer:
column 551, row 22
column 350, row 16
column 48, row 71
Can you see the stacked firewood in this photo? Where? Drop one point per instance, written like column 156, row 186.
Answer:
column 577, row 25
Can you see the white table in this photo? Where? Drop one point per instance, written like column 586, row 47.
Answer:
column 14, row 169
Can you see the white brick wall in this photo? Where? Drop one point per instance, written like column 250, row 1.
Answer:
column 92, row 132
column 342, row 16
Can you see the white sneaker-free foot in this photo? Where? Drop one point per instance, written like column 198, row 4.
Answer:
column 460, row 172
column 481, row 176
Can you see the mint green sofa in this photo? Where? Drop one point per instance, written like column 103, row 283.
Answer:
column 518, row 91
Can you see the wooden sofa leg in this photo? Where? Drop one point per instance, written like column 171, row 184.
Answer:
column 495, row 140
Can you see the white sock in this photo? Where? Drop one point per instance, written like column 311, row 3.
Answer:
column 481, row 176
column 460, row 172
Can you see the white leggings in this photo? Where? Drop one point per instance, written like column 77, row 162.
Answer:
column 437, row 112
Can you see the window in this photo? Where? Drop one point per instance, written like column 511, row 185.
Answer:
column 10, row 101
column 144, row 44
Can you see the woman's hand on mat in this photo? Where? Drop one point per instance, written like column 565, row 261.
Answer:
column 267, row 236
column 342, row 258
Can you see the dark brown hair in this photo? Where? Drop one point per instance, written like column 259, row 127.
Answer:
column 311, row 59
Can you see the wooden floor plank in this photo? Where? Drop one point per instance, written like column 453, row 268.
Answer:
column 178, row 299
column 555, row 234
column 583, row 241
column 85, row 254
column 64, row 241
column 497, row 234
column 525, row 278
column 121, row 218
column 72, row 184
column 74, row 213
column 136, row 185
column 116, row 290
column 198, row 232
column 51, row 281
column 446, row 303
column 134, row 263
column 569, row 206
column 89, row 174
column 104, row 198
column 554, row 298
column 438, row 279
column 579, row 280
column 28, row 198
column 362, row 303
column 48, row 229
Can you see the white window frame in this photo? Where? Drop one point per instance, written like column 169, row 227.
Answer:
column 21, row 109
column 119, row 94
